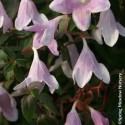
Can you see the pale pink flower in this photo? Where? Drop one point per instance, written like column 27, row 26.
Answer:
column 27, row 12
column 108, row 28
column 73, row 117
column 44, row 33
column 98, row 118
column 5, row 21
column 38, row 73
column 81, row 10
column 86, row 65
column 8, row 105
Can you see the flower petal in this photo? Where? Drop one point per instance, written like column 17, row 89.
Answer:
column 87, row 64
column 52, row 83
column 98, row 118
column 56, row 65
column 23, row 17
column 5, row 21
column 23, row 84
column 121, row 29
column 108, row 27
column 82, row 71
column 102, row 73
column 1, row 21
column 40, row 19
column 6, row 104
column 73, row 117
column 27, row 12
column 51, row 28
column 36, row 40
column 66, row 69
column 82, row 18
column 96, row 6
column 34, row 28
column 38, row 73
column 98, row 36
column 65, row 6
column 53, row 47
column 7, row 24
column 73, row 54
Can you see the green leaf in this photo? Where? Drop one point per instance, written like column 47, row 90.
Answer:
column 22, row 62
column 71, row 25
column 11, row 7
column 48, row 103
column 9, row 52
column 66, row 56
column 3, row 38
column 19, row 74
column 3, row 55
column 45, row 120
column 26, row 43
column 20, row 92
column 8, row 72
column 63, row 25
column 28, row 107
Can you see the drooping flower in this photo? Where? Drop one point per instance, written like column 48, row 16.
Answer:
column 81, row 10
column 27, row 12
column 8, row 105
column 86, row 65
column 98, row 118
column 108, row 28
column 44, row 33
column 73, row 117
column 5, row 21
column 38, row 73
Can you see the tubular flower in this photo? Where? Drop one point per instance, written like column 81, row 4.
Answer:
column 27, row 12
column 8, row 105
column 85, row 65
column 81, row 10
column 73, row 117
column 98, row 118
column 108, row 28
column 38, row 73
column 44, row 33
column 5, row 21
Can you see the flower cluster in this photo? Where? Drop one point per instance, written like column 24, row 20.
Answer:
column 83, row 65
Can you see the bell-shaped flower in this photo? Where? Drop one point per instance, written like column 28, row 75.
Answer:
column 67, row 69
column 7, row 105
column 44, row 33
column 108, row 28
column 81, row 10
column 73, row 117
column 38, row 73
column 86, row 65
column 27, row 12
column 5, row 21
column 98, row 118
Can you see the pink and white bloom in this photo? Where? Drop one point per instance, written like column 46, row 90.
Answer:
column 81, row 10
column 27, row 12
column 108, row 28
column 98, row 118
column 5, row 21
column 73, row 117
column 44, row 33
column 7, row 105
column 38, row 73
column 86, row 65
